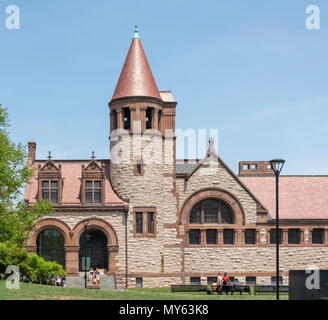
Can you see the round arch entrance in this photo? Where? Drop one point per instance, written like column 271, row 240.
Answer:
column 93, row 246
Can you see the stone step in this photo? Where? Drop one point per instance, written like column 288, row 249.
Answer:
column 106, row 282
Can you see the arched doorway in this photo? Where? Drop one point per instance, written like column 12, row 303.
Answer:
column 50, row 246
column 93, row 246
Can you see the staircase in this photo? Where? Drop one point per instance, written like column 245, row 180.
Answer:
column 106, row 282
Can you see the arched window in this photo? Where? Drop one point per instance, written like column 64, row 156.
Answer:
column 211, row 211
column 50, row 246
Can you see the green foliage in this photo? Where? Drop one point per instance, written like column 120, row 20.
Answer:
column 11, row 254
column 14, row 172
column 16, row 220
column 31, row 265
column 39, row 270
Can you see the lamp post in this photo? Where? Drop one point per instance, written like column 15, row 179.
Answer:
column 276, row 166
column 85, row 223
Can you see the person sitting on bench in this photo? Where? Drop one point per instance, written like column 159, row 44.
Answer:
column 237, row 286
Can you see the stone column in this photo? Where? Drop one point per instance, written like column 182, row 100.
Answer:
column 155, row 118
column 120, row 124
column 236, row 237
column 302, row 236
column 112, row 253
column 325, row 236
column 143, row 118
column 220, row 236
column 284, row 236
column 72, row 260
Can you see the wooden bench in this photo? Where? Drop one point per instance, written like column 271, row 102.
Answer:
column 270, row 289
column 188, row 288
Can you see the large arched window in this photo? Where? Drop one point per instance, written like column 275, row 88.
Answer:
column 211, row 211
column 50, row 246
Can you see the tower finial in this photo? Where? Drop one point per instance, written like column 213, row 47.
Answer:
column 49, row 157
column 136, row 35
column 93, row 155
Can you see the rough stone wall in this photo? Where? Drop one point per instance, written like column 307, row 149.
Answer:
column 155, row 188
column 219, row 178
column 155, row 282
column 253, row 261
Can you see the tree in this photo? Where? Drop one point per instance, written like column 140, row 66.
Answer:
column 16, row 220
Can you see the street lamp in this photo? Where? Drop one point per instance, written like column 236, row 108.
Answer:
column 276, row 166
column 85, row 223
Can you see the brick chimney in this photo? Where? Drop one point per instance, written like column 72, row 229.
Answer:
column 31, row 152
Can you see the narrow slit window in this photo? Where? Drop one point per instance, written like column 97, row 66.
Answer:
column 126, row 118
column 151, row 223
column 149, row 118
column 139, row 222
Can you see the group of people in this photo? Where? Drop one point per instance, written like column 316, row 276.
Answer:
column 225, row 283
column 94, row 276
column 55, row 280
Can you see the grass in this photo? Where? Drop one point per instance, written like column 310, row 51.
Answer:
column 29, row 291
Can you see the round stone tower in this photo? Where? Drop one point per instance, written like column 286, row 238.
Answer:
column 142, row 141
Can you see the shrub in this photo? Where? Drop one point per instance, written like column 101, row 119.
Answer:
column 39, row 270
column 30, row 265
column 11, row 254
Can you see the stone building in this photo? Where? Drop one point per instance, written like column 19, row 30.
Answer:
column 150, row 220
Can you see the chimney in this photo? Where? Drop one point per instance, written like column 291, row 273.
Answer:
column 31, row 152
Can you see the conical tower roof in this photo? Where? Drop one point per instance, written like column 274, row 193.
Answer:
column 136, row 79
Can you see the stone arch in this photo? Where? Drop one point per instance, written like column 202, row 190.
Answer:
column 50, row 223
column 216, row 193
column 99, row 224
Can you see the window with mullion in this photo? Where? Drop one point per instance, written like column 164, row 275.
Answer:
column 210, row 209
column 93, row 191
column 50, row 190
column 318, row 236
column 194, row 236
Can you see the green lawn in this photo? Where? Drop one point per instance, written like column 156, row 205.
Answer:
column 42, row 292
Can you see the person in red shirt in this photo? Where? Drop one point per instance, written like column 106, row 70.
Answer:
column 225, row 283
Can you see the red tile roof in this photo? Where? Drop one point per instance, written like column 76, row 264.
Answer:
column 71, row 173
column 300, row 197
column 136, row 78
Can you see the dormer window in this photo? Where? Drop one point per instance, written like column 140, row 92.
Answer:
column 93, row 191
column 50, row 181
column 50, row 190
column 93, row 183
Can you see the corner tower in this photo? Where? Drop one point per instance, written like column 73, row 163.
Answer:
column 142, row 139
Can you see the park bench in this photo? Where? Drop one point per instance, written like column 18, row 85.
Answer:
column 241, row 289
column 270, row 289
column 188, row 288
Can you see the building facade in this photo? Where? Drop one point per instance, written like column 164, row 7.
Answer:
column 150, row 220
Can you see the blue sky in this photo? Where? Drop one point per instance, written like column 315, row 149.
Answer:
column 250, row 69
